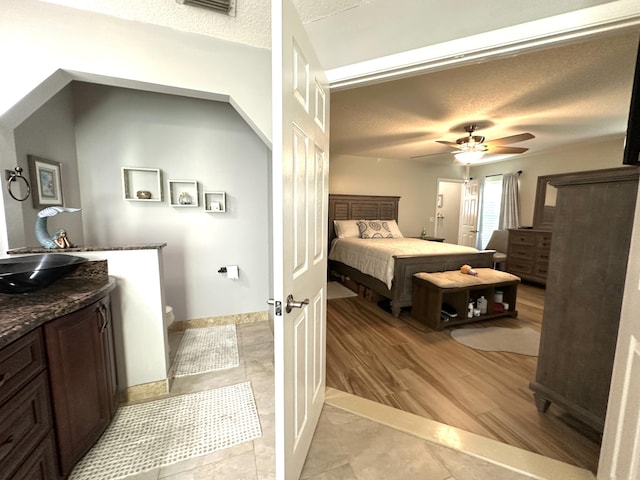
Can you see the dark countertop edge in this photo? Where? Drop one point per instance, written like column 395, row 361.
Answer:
column 145, row 246
column 71, row 303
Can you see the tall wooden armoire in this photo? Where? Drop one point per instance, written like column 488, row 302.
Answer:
column 585, row 283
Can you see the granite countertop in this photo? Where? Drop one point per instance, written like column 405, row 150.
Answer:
column 25, row 312
column 85, row 248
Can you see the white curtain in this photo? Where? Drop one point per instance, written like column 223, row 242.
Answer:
column 510, row 204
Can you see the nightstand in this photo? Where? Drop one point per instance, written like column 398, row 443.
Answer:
column 431, row 239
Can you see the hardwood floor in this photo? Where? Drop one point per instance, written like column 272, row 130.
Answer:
column 404, row 364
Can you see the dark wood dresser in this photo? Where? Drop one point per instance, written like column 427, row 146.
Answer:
column 587, row 269
column 528, row 254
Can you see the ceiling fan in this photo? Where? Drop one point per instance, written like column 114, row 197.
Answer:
column 472, row 147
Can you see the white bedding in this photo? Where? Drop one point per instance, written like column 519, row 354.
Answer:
column 375, row 256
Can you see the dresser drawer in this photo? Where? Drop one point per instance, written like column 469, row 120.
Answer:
column 543, row 255
column 541, row 269
column 25, row 419
column 20, row 361
column 522, row 252
column 518, row 267
column 543, row 240
column 522, row 238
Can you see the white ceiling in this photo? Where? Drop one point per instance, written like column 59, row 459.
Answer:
column 561, row 95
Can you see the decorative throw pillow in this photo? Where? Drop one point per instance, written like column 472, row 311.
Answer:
column 374, row 229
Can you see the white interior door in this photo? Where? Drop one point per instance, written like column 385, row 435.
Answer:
column 620, row 453
column 468, row 232
column 300, row 197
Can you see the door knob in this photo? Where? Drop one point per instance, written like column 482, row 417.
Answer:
column 291, row 303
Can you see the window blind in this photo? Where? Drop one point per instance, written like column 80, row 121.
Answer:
column 490, row 211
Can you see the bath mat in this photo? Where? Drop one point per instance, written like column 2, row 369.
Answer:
column 161, row 432
column 522, row 340
column 206, row 349
column 337, row 290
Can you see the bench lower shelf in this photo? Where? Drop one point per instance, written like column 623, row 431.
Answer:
column 461, row 321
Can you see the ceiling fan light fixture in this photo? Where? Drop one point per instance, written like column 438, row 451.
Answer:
column 469, row 157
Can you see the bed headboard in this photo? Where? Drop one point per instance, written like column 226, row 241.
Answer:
column 361, row 207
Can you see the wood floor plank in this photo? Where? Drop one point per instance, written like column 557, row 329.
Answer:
column 402, row 363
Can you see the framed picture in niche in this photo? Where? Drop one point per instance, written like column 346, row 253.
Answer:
column 46, row 182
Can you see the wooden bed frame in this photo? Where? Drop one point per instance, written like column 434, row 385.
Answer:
column 374, row 207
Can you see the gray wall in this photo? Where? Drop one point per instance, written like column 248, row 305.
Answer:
column 606, row 153
column 94, row 130
column 188, row 139
column 49, row 133
column 416, row 181
column 413, row 180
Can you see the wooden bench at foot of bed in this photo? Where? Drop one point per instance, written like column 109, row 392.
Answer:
column 456, row 289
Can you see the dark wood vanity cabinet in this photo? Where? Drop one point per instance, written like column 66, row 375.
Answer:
column 108, row 349
column 583, row 300
column 82, row 374
column 26, row 435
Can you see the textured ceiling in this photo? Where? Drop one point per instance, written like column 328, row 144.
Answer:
column 250, row 26
column 572, row 93
column 563, row 95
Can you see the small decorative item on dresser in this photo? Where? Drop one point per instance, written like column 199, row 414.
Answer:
column 185, row 199
column 143, row 194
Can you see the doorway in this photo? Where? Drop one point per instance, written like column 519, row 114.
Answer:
column 448, row 204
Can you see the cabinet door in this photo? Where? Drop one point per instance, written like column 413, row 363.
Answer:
column 109, row 354
column 78, row 382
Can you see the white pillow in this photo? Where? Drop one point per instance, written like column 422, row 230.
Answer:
column 346, row 228
column 393, row 226
column 379, row 229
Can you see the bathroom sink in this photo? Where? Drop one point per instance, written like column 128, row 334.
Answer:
column 33, row 272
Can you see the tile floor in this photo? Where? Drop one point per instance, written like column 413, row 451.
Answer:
column 345, row 446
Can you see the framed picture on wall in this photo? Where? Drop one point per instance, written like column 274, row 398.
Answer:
column 46, row 182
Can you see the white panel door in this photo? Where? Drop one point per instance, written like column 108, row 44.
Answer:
column 300, row 198
column 620, row 453
column 468, row 232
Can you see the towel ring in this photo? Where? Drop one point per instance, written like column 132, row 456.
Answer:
column 13, row 176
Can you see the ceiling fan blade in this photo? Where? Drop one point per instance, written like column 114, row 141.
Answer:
column 430, row 155
column 499, row 149
column 511, row 139
column 444, row 142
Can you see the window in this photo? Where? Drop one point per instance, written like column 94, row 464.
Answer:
column 490, row 211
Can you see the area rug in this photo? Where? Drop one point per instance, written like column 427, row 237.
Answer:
column 337, row 290
column 161, row 432
column 522, row 340
column 207, row 349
